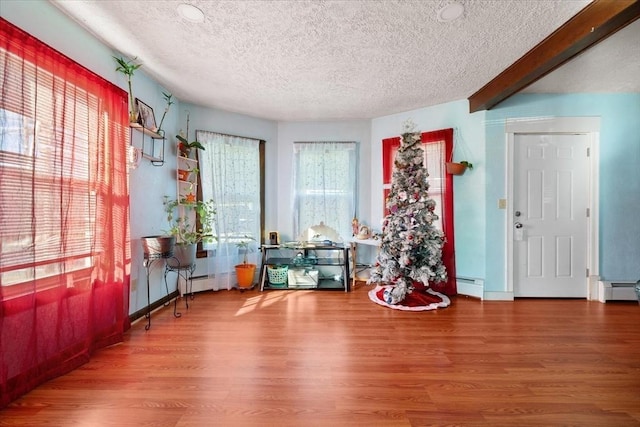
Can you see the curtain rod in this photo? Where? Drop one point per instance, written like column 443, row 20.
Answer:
column 228, row 134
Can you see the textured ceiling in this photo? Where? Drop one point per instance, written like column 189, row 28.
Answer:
column 322, row 60
column 612, row 65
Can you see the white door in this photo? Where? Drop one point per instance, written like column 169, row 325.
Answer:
column 550, row 215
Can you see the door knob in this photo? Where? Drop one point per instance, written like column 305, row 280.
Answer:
column 518, row 225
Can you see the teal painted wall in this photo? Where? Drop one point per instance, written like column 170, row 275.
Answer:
column 619, row 204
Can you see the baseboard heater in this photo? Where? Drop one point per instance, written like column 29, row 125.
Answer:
column 470, row 286
column 616, row 291
column 210, row 282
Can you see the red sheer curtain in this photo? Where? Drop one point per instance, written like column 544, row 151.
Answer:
column 437, row 146
column 64, row 210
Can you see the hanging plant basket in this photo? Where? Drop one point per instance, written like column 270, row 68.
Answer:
column 456, row 168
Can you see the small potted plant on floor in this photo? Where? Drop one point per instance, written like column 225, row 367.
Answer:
column 191, row 222
column 245, row 272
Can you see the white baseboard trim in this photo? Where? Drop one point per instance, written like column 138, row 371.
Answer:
column 498, row 296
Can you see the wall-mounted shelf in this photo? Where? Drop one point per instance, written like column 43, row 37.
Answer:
column 152, row 149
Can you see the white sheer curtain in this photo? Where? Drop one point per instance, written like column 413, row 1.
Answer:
column 434, row 160
column 230, row 175
column 324, row 185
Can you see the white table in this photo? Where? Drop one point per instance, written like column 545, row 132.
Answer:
column 354, row 252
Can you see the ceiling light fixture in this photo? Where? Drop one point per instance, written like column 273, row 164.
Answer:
column 451, row 12
column 190, row 12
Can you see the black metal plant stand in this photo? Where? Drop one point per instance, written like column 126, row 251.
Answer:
column 149, row 259
column 186, row 272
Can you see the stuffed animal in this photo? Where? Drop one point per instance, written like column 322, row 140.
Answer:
column 364, row 232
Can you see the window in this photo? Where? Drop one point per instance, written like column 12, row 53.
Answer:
column 437, row 147
column 52, row 133
column 64, row 209
column 432, row 161
column 231, row 173
column 325, row 185
column 35, row 243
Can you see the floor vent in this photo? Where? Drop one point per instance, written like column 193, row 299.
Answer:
column 617, row 291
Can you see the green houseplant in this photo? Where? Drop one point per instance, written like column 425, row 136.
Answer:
column 184, row 145
column 167, row 97
column 190, row 223
column 128, row 68
column 245, row 272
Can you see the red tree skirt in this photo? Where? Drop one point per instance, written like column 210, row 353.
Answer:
column 421, row 299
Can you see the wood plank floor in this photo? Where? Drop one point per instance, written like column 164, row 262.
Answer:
column 305, row 358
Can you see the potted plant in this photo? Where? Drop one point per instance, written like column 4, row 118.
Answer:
column 167, row 97
column 128, row 68
column 190, row 223
column 184, row 146
column 187, row 174
column 245, row 271
column 458, row 168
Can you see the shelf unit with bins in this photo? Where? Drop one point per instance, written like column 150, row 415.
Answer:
column 325, row 257
column 153, row 149
column 186, row 177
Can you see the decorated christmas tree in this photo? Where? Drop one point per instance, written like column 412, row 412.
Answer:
column 411, row 249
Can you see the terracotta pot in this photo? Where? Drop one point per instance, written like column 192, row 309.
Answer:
column 244, row 274
column 183, row 175
column 183, row 149
column 455, row 168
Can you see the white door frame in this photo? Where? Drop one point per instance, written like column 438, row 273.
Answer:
column 546, row 125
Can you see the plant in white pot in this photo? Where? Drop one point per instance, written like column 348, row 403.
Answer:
column 245, row 272
column 190, row 223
